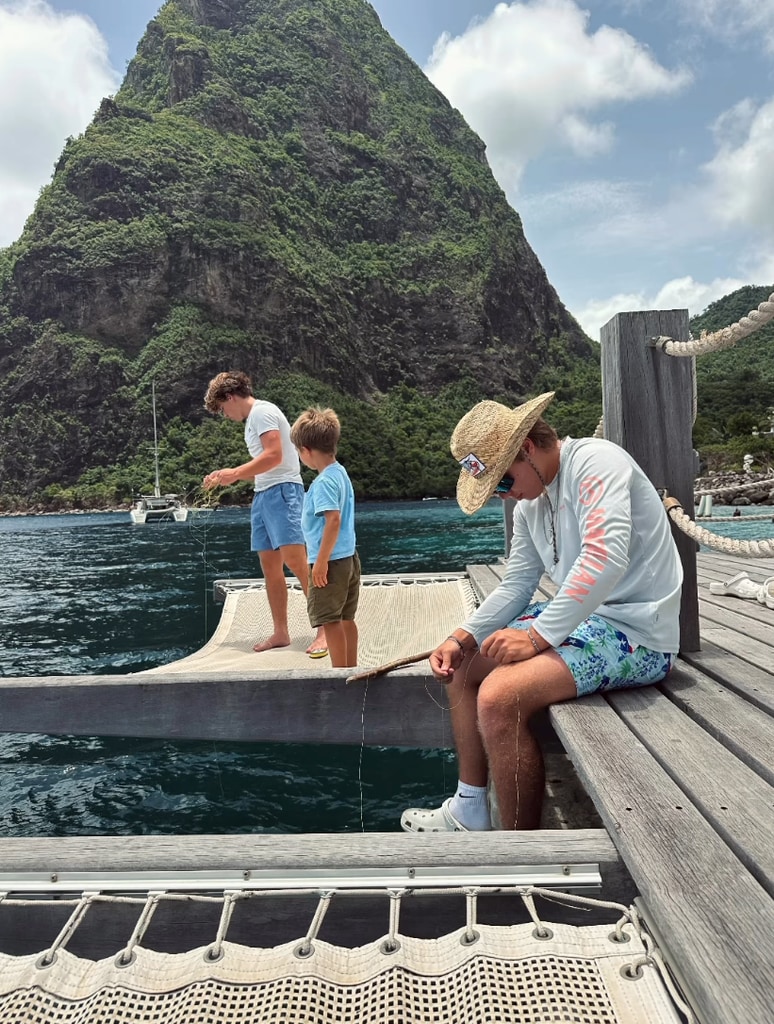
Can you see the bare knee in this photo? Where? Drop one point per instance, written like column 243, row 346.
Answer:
column 271, row 563
column 507, row 698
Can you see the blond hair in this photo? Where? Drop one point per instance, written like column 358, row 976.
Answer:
column 318, row 429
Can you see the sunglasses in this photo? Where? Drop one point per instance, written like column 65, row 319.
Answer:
column 505, row 485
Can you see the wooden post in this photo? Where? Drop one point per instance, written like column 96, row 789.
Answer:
column 647, row 404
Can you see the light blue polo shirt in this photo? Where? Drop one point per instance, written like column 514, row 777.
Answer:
column 330, row 490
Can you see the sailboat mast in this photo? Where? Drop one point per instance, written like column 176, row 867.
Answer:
column 157, row 486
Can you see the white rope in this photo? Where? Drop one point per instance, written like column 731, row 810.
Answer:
column 657, row 960
column 306, row 947
column 718, row 340
column 392, row 943
column 215, row 952
column 471, row 909
column 49, row 957
column 734, row 519
column 750, row 548
column 127, row 955
column 751, row 486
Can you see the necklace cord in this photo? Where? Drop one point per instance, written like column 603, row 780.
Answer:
column 551, row 510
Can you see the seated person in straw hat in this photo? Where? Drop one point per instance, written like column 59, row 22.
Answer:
column 587, row 516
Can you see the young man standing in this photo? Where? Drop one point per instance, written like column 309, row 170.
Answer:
column 279, row 496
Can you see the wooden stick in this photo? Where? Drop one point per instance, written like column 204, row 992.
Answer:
column 371, row 673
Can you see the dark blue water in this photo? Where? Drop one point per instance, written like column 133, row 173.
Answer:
column 94, row 594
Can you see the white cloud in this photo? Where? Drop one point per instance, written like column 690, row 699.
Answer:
column 581, row 200
column 727, row 204
column 532, row 76
column 741, row 174
column 732, row 21
column 679, row 293
column 54, row 70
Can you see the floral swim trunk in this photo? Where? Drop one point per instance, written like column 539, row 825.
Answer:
column 599, row 656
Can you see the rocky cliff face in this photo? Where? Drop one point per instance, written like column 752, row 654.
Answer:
column 281, row 175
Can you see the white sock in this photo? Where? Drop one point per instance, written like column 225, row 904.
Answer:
column 470, row 807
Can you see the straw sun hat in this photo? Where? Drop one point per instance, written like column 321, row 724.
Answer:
column 486, row 441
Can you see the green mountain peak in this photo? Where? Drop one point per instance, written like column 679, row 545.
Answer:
column 276, row 186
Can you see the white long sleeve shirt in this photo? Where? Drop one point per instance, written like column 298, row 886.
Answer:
column 616, row 554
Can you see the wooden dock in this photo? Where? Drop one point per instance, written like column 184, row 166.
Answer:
column 682, row 775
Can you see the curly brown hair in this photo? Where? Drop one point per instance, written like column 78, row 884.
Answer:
column 232, row 382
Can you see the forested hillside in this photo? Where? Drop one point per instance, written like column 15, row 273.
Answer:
column 736, row 386
column 276, row 187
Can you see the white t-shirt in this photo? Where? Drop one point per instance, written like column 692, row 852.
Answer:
column 263, row 417
column 616, row 553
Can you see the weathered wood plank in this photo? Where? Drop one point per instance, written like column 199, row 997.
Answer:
column 377, row 850
column 741, row 728
column 754, row 684
column 715, row 918
column 752, row 651
column 400, row 709
column 751, row 620
column 483, row 578
column 730, row 565
column 722, row 568
column 738, row 614
column 730, row 796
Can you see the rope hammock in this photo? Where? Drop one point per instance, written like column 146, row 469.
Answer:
column 420, row 608
column 531, row 972
column 729, row 546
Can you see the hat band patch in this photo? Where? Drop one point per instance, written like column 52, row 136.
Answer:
column 473, row 465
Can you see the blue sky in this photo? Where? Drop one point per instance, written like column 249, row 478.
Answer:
column 634, row 137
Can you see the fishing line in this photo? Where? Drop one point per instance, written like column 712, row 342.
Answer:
column 202, row 508
column 443, row 708
column 360, row 758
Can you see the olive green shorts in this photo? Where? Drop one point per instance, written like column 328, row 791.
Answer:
column 336, row 602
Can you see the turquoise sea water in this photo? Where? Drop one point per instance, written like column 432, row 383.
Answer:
column 94, row 594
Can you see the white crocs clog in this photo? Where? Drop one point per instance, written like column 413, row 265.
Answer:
column 766, row 592
column 440, row 819
column 738, row 586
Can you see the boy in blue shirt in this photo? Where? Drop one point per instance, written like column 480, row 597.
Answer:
column 328, row 522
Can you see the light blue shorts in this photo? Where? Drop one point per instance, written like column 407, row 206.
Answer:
column 599, row 656
column 275, row 517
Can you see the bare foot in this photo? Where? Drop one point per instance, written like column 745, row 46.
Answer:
column 275, row 640
column 318, row 644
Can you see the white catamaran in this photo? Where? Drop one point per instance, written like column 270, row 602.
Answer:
column 158, row 507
